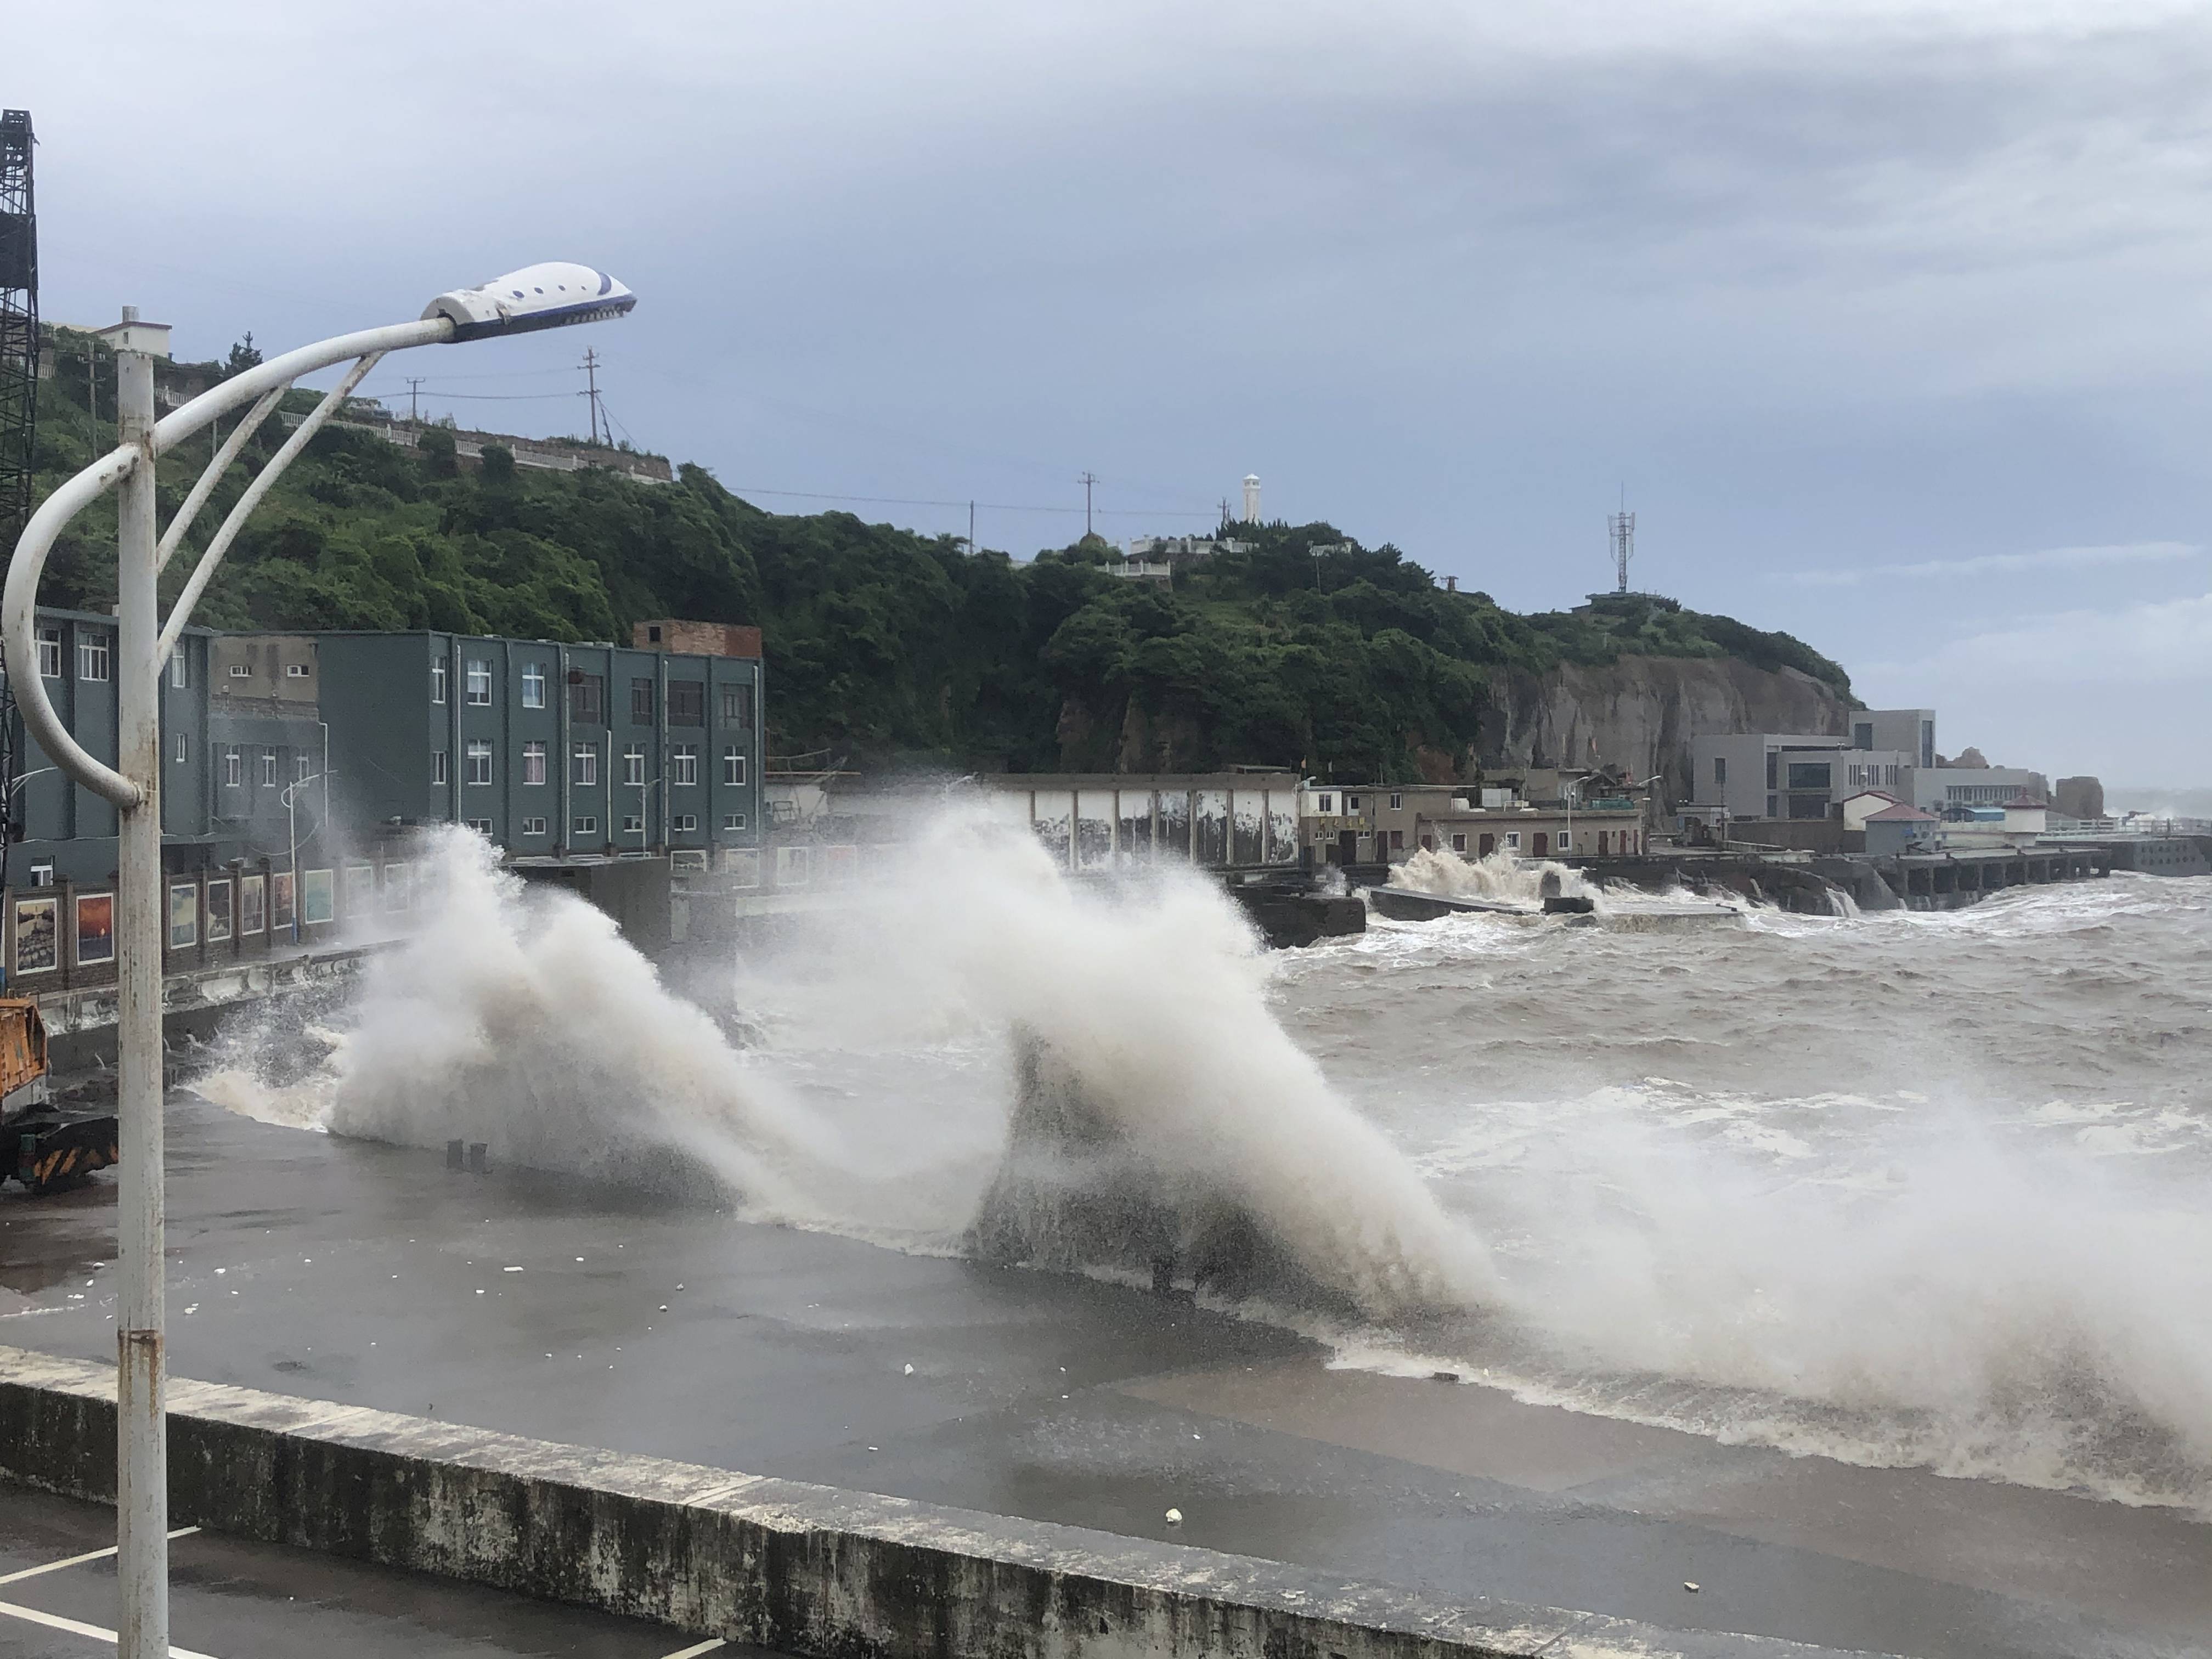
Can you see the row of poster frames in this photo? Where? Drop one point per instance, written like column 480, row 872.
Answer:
column 262, row 905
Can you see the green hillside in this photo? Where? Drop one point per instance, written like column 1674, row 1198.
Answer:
column 882, row 644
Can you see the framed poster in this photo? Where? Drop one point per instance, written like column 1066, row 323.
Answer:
column 318, row 896
column 95, row 929
column 183, row 914
column 359, row 889
column 38, row 935
column 280, row 900
column 218, row 910
column 399, row 889
column 253, row 905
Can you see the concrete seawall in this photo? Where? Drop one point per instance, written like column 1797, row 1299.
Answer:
column 809, row 1569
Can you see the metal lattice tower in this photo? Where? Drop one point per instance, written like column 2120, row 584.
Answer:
column 19, row 400
column 1622, row 525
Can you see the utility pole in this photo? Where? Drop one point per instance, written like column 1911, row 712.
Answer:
column 414, row 399
column 971, row 529
column 1086, row 481
column 592, row 375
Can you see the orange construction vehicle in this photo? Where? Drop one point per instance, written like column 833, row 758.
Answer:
column 39, row 1146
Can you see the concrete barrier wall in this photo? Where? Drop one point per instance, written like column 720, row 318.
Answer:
column 809, row 1570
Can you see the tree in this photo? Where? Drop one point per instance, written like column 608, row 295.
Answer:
column 244, row 355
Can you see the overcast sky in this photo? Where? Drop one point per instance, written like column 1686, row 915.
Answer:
column 1891, row 319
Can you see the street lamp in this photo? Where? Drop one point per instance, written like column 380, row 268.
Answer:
column 538, row 297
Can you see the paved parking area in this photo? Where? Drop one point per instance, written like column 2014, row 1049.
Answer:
column 232, row 1599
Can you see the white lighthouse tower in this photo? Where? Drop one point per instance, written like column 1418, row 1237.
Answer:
column 1251, row 498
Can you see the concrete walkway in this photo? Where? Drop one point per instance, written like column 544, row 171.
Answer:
column 555, row 1308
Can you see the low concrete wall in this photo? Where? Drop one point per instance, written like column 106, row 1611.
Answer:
column 809, row 1570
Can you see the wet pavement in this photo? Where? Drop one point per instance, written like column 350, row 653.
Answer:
column 373, row 1275
column 231, row 1600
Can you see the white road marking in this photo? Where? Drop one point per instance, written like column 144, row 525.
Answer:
column 79, row 1560
column 55, row 1621
column 694, row 1653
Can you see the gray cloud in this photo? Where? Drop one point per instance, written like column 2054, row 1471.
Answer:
column 1983, row 564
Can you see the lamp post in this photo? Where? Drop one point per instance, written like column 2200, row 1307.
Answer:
column 538, row 297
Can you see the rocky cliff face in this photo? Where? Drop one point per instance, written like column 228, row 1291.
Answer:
column 1640, row 713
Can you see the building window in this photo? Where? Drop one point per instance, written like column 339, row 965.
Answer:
column 1863, row 735
column 683, row 764
column 303, row 767
column 1566, row 844
column 42, row 873
column 687, row 703
column 1772, row 807
column 733, row 766
column 49, row 654
column 734, row 820
column 1351, row 803
column 295, row 670
column 234, row 768
column 587, row 699
column 1810, row 775
column 437, row 766
column 633, row 824
column 1459, row 843
column 479, row 762
column 437, row 681
column 533, row 826
column 1720, row 771
column 1483, row 849
column 1397, row 840
column 482, row 826
column 640, row 702
column 239, row 670
column 584, row 826
column 737, row 705
column 269, row 769
column 1512, row 841
column 587, row 763
column 181, row 672
column 1398, row 805
column 476, row 681
column 533, row 762
column 1326, row 806
column 533, row 685
column 92, row 656
column 633, row 766
column 183, row 914
column 687, row 822
column 183, row 753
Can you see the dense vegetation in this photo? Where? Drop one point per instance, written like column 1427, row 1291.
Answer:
column 882, row 644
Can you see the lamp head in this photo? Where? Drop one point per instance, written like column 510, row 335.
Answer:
column 550, row 295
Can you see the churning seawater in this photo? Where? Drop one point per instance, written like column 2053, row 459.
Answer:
column 1899, row 1189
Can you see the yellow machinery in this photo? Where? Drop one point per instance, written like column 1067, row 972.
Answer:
column 49, row 1151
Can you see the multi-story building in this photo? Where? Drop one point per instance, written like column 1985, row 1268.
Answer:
column 1389, row 824
column 1771, row 775
column 553, row 751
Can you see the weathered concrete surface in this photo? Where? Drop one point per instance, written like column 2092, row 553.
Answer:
column 777, row 1563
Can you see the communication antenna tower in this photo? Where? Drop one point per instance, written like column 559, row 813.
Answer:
column 19, row 400
column 1623, row 527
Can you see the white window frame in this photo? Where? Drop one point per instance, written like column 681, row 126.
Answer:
column 684, row 766
column 438, row 773
column 438, row 681
column 633, row 766
column 585, row 760
column 533, row 826
column 234, row 767
column 478, row 748
column 533, row 759
column 686, row 823
column 633, row 824
column 733, row 768
column 1512, row 841
column 94, row 660
column 181, row 672
column 731, row 821
column 1397, row 803
column 295, row 670
column 239, row 670
column 269, row 769
column 482, row 826
column 584, row 825
column 533, row 685
column 49, row 654
column 1459, row 841
column 475, row 682
column 184, row 749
